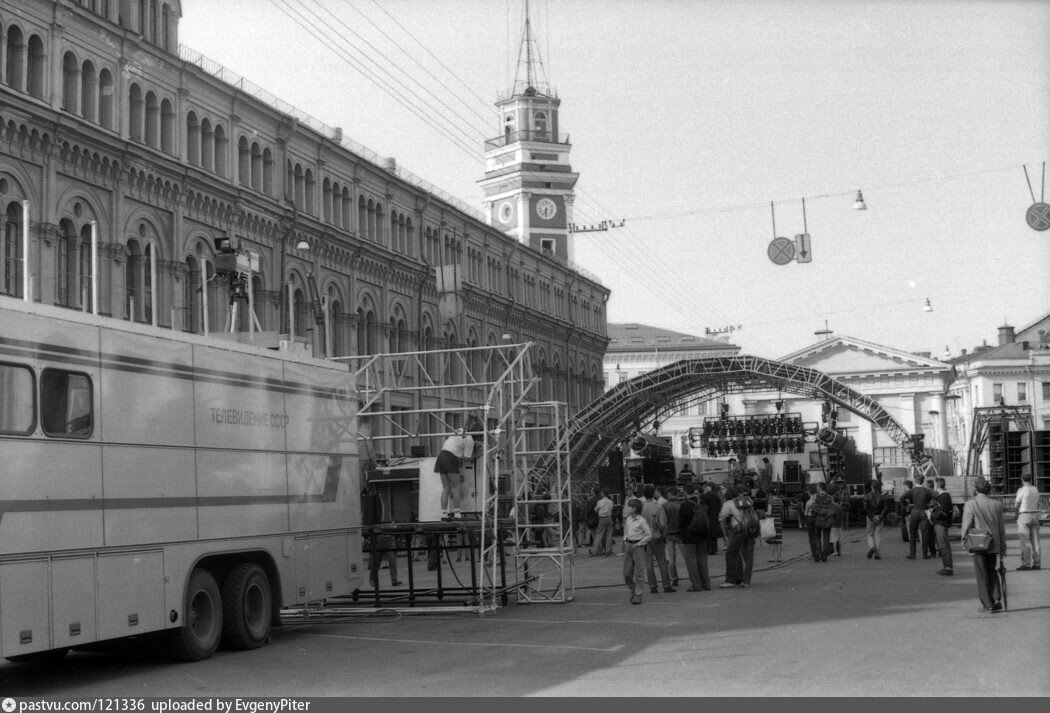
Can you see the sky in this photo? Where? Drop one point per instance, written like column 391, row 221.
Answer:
column 711, row 128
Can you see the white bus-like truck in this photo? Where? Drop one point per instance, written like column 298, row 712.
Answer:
column 166, row 484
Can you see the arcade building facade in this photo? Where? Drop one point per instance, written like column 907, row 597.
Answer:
column 112, row 135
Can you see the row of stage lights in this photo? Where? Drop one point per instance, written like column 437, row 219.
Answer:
column 731, row 446
column 776, row 425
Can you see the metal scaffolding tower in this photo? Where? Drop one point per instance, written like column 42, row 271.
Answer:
column 412, row 398
column 995, row 421
column 543, row 538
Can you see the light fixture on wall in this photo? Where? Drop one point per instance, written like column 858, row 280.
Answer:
column 302, row 244
column 927, row 307
column 859, row 204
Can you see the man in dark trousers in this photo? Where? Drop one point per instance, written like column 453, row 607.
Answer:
column 941, row 519
column 713, row 502
column 987, row 514
column 920, row 497
column 694, row 545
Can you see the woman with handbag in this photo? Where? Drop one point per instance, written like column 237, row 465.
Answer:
column 984, row 537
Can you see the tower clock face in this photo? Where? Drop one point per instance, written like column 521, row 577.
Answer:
column 506, row 212
column 546, row 208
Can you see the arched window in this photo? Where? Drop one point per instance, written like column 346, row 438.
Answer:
column 89, row 92
column 136, row 282
column 165, row 29
column 218, row 298
column 339, row 322
column 244, row 162
column 167, row 127
column 366, row 330
column 326, row 201
column 136, row 113
column 105, row 99
column 85, row 269
column 309, row 204
column 540, row 125
column 257, row 167
column 337, row 205
column 37, row 68
column 65, row 264
column 14, row 71
column 345, row 207
column 207, row 146
column 452, row 371
column 362, row 217
column 302, row 312
column 152, row 133
column 267, row 172
column 193, row 139
column 151, row 29
column 192, row 296
column 70, row 82
column 11, row 251
column 299, row 187
column 221, row 149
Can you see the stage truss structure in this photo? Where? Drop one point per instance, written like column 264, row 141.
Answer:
column 635, row 405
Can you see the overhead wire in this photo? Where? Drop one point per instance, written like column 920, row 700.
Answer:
column 399, row 97
column 628, row 250
column 493, row 115
column 434, row 97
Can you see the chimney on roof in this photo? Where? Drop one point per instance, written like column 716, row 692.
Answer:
column 1006, row 335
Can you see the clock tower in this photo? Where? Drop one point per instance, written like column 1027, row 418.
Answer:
column 528, row 180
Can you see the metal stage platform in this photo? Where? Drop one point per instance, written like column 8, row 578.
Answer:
column 438, row 569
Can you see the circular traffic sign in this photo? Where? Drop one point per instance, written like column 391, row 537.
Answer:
column 1038, row 216
column 781, row 251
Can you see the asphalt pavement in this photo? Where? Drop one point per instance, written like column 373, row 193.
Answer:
column 849, row 627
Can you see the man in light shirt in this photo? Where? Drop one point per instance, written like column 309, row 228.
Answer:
column 603, row 534
column 448, row 465
column 1027, row 506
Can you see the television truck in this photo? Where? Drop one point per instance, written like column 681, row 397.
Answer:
column 166, row 484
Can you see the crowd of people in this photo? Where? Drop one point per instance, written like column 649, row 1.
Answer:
column 669, row 532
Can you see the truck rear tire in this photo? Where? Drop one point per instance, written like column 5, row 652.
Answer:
column 247, row 604
column 199, row 635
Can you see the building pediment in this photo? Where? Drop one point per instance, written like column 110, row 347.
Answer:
column 846, row 355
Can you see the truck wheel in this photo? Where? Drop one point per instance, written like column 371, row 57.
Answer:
column 247, row 603
column 199, row 635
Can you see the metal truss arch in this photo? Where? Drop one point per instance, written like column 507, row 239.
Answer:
column 620, row 412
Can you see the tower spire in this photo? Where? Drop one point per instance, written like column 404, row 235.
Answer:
column 529, row 63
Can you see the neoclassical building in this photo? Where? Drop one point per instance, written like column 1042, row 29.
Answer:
column 113, row 135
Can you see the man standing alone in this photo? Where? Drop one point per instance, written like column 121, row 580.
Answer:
column 984, row 513
column 1027, row 505
column 603, row 533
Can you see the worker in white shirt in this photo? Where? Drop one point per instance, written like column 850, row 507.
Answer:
column 449, row 466
column 1027, row 505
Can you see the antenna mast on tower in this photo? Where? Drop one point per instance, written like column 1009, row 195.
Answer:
column 529, row 60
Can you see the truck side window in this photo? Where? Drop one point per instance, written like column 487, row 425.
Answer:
column 65, row 404
column 17, row 399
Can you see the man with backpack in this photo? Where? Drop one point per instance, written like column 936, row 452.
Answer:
column 694, row 528
column 741, row 527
